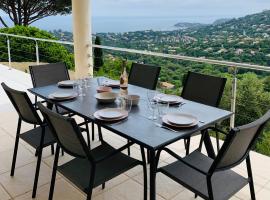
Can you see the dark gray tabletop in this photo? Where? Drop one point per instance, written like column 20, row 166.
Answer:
column 137, row 128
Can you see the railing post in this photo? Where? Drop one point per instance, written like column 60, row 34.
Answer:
column 9, row 55
column 233, row 96
column 37, row 53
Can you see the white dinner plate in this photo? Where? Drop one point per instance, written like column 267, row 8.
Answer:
column 67, row 83
column 170, row 99
column 63, row 95
column 111, row 83
column 110, row 114
column 165, row 121
column 106, row 97
column 181, row 119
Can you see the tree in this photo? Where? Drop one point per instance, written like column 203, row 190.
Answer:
column 25, row 12
column 98, row 55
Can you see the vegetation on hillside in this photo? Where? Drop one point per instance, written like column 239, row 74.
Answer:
column 23, row 50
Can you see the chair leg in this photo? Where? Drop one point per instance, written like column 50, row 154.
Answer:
column 87, row 132
column 217, row 141
column 103, row 186
column 16, row 148
column 52, row 149
column 128, row 149
column 209, row 187
column 55, row 163
column 148, row 156
column 91, row 183
column 250, row 177
column 187, row 145
column 100, row 133
column 201, row 141
column 36, row 152
column 62, row 151
column 144, row 174
column 38, row 163
column 93, row 131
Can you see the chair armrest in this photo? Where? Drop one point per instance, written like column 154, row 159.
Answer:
column 183, row 161
column 115, row 152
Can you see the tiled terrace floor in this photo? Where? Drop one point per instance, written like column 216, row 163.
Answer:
column 126, row 186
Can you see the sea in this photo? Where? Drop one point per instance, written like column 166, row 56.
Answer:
column 105, row 24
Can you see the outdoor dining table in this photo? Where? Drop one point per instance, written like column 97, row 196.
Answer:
column 138, row 128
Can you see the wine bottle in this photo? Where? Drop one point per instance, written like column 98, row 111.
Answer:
column 124, row 79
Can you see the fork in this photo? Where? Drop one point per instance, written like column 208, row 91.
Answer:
column 165, row 127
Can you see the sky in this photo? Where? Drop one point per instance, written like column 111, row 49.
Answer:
column 170, row 8
column 130, row 15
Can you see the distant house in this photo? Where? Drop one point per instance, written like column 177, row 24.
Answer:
column 166, row 85
column 239, row 51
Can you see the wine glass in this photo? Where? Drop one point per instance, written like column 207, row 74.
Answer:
column 152, row 104
column 100, row 81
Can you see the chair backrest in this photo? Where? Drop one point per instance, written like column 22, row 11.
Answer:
column 23, row 105
column 239, row 142
column 43, row 75
column 145, row 76
column 66, row 132
column 203, row 88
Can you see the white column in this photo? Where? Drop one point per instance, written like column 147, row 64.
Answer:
column 82, row 36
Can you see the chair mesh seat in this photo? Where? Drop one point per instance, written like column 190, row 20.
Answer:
column 33, row 136
column 78, row 169
column 225, row 183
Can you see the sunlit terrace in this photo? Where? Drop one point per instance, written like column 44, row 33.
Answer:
column 73, row 129
column 126, row 186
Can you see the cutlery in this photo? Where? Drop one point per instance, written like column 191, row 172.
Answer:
column 165, row 127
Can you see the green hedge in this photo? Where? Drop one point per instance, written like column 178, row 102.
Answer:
column 23, row 50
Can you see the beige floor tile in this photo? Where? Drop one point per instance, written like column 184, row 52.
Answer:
column 22, row 182
column 23, row 157
column 264, row 194
column 245, row 192
column 165, row 187
column 110, row 184
column 188, row 195
column 6, row 143
column 63, row 191
column 267, row 186
column 3, row 194
column 130, row 190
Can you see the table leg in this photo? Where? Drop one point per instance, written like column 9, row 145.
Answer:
column 209, row 145
column 152, row 159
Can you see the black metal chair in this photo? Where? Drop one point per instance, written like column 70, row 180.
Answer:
column 203, row 89
column 38, row 137
column 213, row 178
column 145, row 76
column 48, row 74
column 89, row 168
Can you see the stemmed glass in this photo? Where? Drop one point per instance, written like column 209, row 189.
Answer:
column 80, row 87
column 152, row 104
column 124, row 103
column 87, row 82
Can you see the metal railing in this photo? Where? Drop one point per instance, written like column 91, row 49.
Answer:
column 228, row 64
